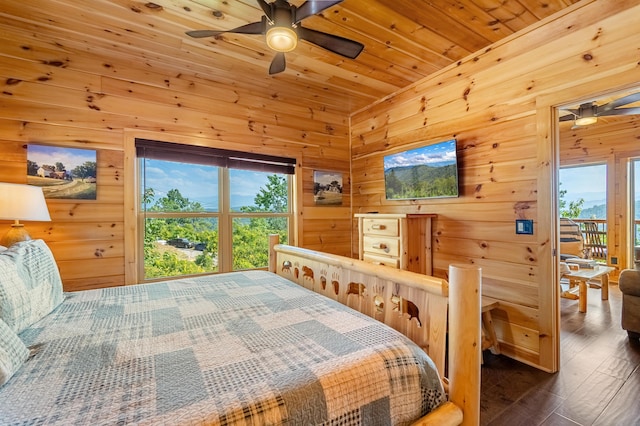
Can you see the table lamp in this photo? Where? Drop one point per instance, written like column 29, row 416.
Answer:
column 21, row 202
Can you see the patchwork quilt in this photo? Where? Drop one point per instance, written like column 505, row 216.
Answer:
column 244, row 348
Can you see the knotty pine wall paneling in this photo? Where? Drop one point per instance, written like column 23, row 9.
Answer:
column 491, row 103
column 58, row 90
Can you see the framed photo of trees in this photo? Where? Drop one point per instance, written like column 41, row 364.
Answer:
column 327, row 188
column 61, row 172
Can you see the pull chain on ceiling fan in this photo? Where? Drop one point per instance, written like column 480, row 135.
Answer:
column 589, row 112
column 281, row 27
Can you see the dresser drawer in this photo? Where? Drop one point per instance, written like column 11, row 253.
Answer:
column 393, row 262
column 398, row 240
column 381, row 245
column 379, row 226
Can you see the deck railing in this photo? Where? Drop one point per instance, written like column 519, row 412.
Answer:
column 598, row 246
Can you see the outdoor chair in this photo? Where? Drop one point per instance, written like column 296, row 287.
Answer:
column 594, row 241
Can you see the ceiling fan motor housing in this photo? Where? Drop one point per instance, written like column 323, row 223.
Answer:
column 281, row 35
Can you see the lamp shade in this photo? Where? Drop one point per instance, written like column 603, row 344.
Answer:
column 22, row 202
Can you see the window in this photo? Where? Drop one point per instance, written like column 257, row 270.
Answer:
column 205, row 210
column 583, row 198
column 635, row 207
column 583, row 191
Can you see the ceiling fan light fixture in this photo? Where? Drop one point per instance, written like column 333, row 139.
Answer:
column 585, row 121
column 282, row 39
column 587, row 114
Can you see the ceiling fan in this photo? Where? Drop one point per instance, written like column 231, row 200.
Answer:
column 589, row 112
column 281, row 27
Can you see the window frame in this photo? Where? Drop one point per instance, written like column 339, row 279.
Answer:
column 225, row 221
column 224, row 215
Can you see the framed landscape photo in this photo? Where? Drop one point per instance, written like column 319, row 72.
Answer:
column 327, row 188
column 427, row 172
column 63, row 173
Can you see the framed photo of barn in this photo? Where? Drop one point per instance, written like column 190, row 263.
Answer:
column 61, row 172
column 327, row 188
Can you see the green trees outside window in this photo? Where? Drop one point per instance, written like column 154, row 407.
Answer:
column 182, row 237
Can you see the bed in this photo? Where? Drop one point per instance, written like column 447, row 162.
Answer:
column 256, row 347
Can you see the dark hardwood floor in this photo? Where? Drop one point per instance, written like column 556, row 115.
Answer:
column 598, row 382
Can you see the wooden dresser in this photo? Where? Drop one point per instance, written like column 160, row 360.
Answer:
column 398, row 240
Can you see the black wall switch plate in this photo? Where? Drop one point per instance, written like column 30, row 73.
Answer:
column 524, row 226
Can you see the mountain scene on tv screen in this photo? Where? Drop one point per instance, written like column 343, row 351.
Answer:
column 421, row 182
column 422, row 173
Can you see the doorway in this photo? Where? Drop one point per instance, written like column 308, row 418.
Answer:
column 549, row 119
column 600, row 155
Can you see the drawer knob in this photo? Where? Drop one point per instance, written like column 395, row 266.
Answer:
column 380, row 246
column 378, row 226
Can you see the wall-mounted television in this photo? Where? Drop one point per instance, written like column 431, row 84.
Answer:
column 427, row 172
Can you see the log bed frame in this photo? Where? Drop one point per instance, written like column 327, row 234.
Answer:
column 414, row 304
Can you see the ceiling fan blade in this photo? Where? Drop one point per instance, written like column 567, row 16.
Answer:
column 203, row 33
column 266, row 8
column 568, row 117
column 575, row 112
column 252, row 28
column 278, row 64
column 340, row 45
column 622, row 111
column 312, row 7
column 625, row 100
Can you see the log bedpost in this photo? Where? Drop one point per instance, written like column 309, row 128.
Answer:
column 273, row 258
column 464, row 362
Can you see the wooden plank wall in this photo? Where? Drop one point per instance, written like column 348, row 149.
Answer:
column 64, row 95
column 489, row 103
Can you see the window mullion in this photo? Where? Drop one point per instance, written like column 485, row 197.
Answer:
column 225, row 239
column 291, row 210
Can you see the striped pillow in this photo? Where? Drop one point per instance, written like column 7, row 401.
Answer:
column 30, row 284
column 13, row 353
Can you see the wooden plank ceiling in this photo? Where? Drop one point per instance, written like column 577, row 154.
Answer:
column 405, row 40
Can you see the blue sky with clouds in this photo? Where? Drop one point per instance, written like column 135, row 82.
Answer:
column 590, row 183
column 200, row 182
column 50, row 155
column 439, row 154
column 586, row 182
